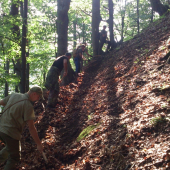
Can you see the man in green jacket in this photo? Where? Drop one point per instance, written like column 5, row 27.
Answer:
column 18, row 110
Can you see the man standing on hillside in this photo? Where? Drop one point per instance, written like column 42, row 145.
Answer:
column 104, row 39
column 79, row 57
column 17, row 112
column 84, row 51
column 52, row 78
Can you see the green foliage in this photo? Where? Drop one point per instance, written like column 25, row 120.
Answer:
column 86, row 132
column 42, row 32
column 158, row 120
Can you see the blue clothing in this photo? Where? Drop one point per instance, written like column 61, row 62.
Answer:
column 77, row 63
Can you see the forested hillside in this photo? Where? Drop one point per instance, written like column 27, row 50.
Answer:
column 116, row 116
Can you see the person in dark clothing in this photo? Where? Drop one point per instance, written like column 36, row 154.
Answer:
column 104, row 39
column 79, row 57
column 52, row 78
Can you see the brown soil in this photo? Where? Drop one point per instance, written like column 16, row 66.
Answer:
column 128, row 93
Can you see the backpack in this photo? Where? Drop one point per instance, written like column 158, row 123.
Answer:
column 75, row 51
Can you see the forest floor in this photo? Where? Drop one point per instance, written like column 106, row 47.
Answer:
column 117, row 117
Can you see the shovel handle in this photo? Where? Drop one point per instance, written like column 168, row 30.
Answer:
column 45, row 158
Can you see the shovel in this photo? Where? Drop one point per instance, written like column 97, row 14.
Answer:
column 45, row 158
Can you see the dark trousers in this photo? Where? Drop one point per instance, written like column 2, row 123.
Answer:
column 52, row 85
column 53, row 98
column 11, row 151
column 101, row 45
column 77, row 64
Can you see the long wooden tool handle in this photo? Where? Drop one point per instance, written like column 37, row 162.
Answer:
column 45, row 158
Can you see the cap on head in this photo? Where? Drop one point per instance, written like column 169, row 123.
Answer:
column 83, row 45
column 38, row 90
column 68, row 54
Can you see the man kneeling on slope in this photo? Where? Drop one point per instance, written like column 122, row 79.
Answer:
column 17, row 112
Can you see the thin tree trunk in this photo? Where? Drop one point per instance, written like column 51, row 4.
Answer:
column 16, row 34
column 27, row 76
column 7, row 72
column 138, row 15
column 96, row 18
column 62, row 25
column 6, row 68
column 84, row 35
column 110, row 21
column 152, row 15
column 123, row 22
column 122, row 31
column 74, row 34
column 23, row 48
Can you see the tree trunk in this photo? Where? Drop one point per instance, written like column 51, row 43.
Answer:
column 110, row 21
column 7, row 72
column 96, row 18
column 158, row 7
column 62, row 25
column 6, row 68
column 74, row 35
column 138, row 15
column 84, row 34
column 122, row 31
column 16, row 34
column 152, row 16
column 23, row 48
column 27, row 76
column 123, row 22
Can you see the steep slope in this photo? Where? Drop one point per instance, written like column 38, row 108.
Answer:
column 123, row 98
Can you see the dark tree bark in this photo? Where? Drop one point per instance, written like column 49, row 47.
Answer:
column 84, row 35
column 27, row 76
column 74, row 35
column 14, row 12
column 122, row 31
column 152, row 16
column 138, row 15
column 7, row 72
column 158, row 7
column 62, row 25
column 16, row 36
column 23, row 48
column 96, row 18
column 110, row 22
column 6, row 68
column 62, row 29
column 123, row 22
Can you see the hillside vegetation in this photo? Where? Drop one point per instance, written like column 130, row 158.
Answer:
column 116, row 117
